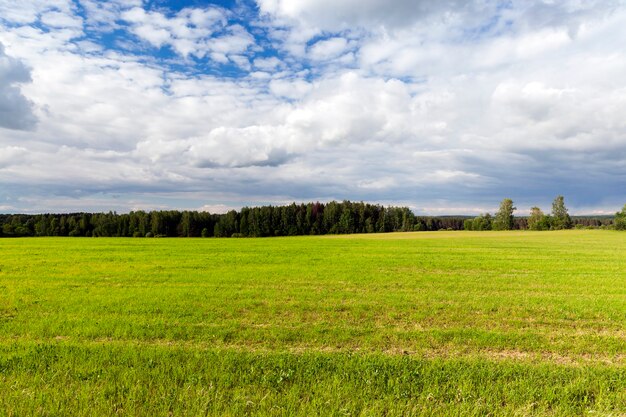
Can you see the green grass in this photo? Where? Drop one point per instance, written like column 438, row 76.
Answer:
column 444, row 323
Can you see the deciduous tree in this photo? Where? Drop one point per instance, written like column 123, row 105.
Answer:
column 560, row 217
column 538, row 220
column 620, row 219
column 504, row 217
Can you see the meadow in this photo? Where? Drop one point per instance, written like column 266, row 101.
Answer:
column 401, row 324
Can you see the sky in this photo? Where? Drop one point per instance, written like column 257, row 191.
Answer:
column 446, row 107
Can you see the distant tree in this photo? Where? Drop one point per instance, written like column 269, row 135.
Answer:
column 345, row 222
column 217, row 230
column 54, row 227
column 330, row 217
column 185, row 225
column 538, row 220
column 620, row 219
column 504, row 217
column 8, row 229
column 84, row 224
column 156, row 222
column 383, row 225
column 41, row 226
column 408, row 219
column 560, row 217
column 295, row 219
column 419, row 226
column 482, row 222
column 244, row 228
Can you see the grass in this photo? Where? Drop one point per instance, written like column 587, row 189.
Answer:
column 444, row 323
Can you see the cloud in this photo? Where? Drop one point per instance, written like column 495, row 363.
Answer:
column 61, row 20
column 290, row 88
column 267, row 64
column 328, row 49
column 191, row 32
column 16, row 111
column 217, row 208
column 340, row 15
column 28, row 11
column 243, row 147
column 12, row 155
column 437, row 105
column 104, row 15
column 473, row 18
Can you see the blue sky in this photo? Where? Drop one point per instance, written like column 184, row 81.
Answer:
column 446, row 107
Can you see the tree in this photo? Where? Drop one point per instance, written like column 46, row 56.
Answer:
column 185, row 224
column 330, row 217
column 560, row 218
column 482, row 222
column 620, row 219
column 538, row 220
column 504, row 217
column 244, row 227
column 408, row 219
column 346, row 223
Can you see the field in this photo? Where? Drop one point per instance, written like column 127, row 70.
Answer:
column 442, row 323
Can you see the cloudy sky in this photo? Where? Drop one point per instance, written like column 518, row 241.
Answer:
column 445, row 106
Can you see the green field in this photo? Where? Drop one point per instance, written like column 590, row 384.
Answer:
column 442, row 323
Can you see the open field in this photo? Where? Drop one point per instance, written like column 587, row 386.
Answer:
column 442, row 323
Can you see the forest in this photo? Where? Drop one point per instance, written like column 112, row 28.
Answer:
column 290, row 220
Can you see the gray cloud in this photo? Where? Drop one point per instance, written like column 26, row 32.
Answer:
column 16, row 111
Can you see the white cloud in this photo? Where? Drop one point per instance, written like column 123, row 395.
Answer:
column 236, row 40
column 292, row 89
column 12, row 155
column 241, row 61
column 267, row 64
column 241, row 147
column 351, row 108
column 104, row 15
column 217, row 208
column 28, row 11
column 191, row 31
column 61, row 20
column 328, row 49
column 156, row 36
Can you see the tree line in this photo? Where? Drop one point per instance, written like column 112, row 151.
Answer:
column 295, row 219
column 558, row 219
column 291, row 220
